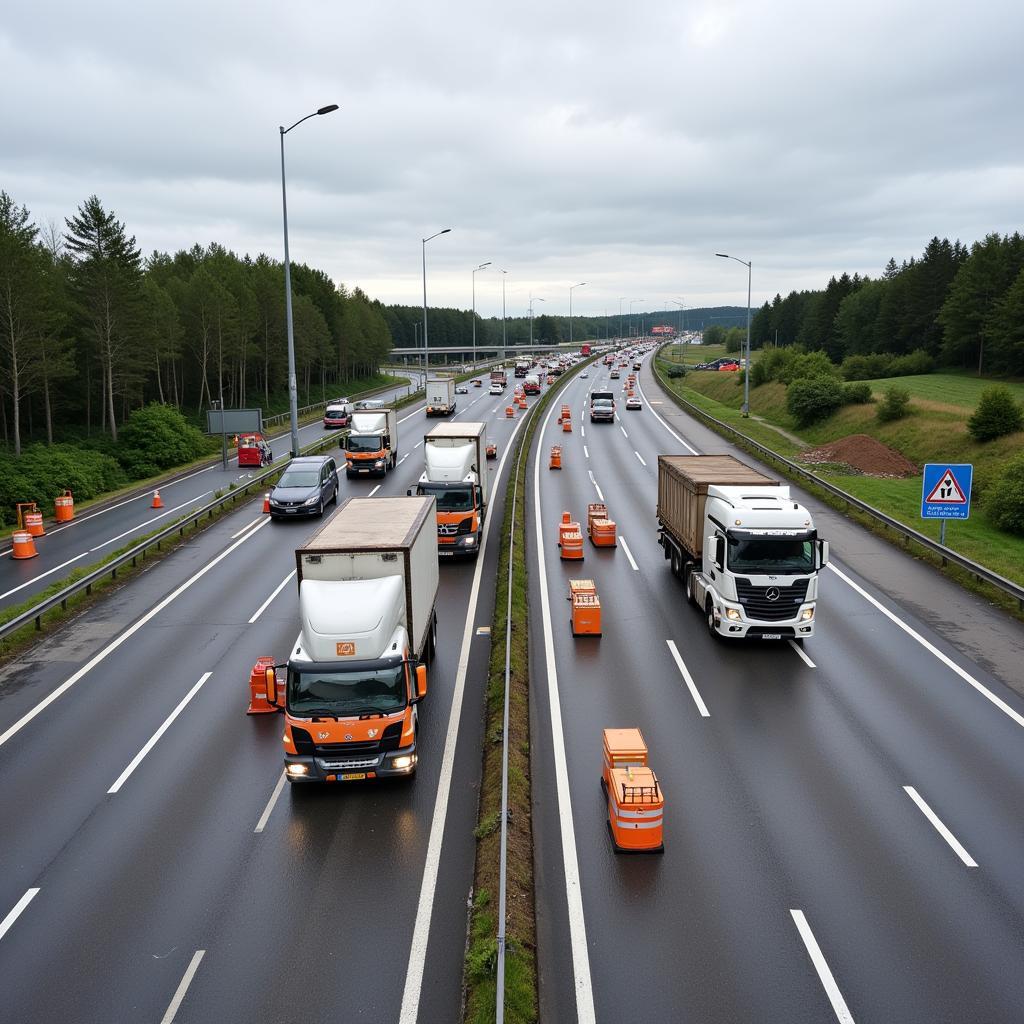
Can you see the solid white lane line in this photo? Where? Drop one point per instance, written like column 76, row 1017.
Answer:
column 417, row 444
column 403, row 458
column 43, row 575
column 271, row 803
column 940, row 827
column 374, row 491
column 413, row 413
column 432, row 862
column 629, row 554
column 624, row 434
column 600, row 496
column 835, row 997
column 15, row 911
column 948, row 662
column 586, row 452
column 277, row 590
column 585, row 1013
column 688, row 679
column 148, row 522
column 640, row 457
column 126, row 635
column 186, row 980
column 688, row 447
column 799, row 650
column 152, row 741
column 247, row 526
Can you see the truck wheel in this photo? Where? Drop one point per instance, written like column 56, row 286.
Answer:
column 709, row 618
column 431, row 643
column 688, row 582
column 675, row 562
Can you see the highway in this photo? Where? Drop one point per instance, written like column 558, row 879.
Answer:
column 843, row 833
column 158, row 868
column 100, row 531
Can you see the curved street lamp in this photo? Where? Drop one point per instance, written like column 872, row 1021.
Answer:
column 426, row 354
column 293, row 403
column 580, row 285
column 503, row 275
column 632, row 322
column 473, row 276
column 533, row 299
column 746, row 369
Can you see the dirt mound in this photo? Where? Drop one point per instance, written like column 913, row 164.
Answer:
column 863, row 454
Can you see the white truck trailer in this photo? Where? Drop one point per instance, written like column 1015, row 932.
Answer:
column 440, row 396
column 748, row 554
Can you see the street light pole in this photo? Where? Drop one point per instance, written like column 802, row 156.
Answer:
column 426, row 354
column 580, row 285
column 621, row 300
column 632, row 322
column 532, row 301
column 503, row 274
column 481, row 267
column 293, row 394
column 746, row 369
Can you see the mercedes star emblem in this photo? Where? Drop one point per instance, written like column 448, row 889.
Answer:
column 772, row 594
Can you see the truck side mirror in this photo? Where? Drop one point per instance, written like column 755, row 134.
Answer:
column 270, row 684
column 822, row 553
column 479, row 496
column 408, row 493
column 421, row 681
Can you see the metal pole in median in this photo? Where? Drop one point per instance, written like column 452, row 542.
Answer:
column 481, row 267
column 426, row 354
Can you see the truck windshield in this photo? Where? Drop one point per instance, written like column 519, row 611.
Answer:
column 364, row 442
column 773, row 556
column 341, row 692
column 449, row 499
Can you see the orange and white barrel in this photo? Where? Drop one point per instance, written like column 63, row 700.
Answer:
column 22, row 545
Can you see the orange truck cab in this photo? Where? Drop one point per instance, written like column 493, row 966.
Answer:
column 455, row 475
column 372, row 443
column 358, row 669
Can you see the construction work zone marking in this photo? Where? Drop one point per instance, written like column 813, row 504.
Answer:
column 126, row 635
column 149, row 522
column 179, row 995
column 939, row 827
column 43, row 575
column 835, row 997
column 585, row 1013
column 15, row 911
column 277, row 590
column 154, row 739
column 688, row 679
column 425, row 904
column 799, row 650
column 594, row 482
column 271, row 804
column 947, row 661
column 629, row 554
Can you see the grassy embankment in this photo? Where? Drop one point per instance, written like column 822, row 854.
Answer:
column 934, row 431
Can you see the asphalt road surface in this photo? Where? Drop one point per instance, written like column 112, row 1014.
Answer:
column 156, row 866
column 843, row 822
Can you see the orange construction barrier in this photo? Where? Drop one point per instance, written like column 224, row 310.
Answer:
column 34, row 523
column 566, row 424
column 566, row 521
column 509, row 412
column 260, row 689
column 570, row 540
column 564, row 413
column 158, row 502
column 64, row 507
column 266, row 502
column 22, row 545
column 586, row 608
column 600, row 528
column 636, row 803
column 492, row 451
column 556, row 457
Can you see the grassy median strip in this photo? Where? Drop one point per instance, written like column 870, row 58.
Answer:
column 479, row 977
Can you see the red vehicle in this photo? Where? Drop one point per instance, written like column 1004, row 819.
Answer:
column 253, row 450
column 584, row 350
column 729, row 367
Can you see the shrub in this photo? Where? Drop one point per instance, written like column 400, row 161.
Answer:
column 895, row 405
column 856, row 393
column 808, row 364
column 759, row 373
column 869, row 367
column 997, row 414
column 676, row 371
column 910, row 365
column 1004, row 501
column 775, row 362
column 810, row 399
column 158, row 437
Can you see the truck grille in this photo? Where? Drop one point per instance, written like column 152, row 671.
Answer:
column 757, row 605
column 389, row 740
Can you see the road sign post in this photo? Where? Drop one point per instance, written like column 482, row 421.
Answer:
column 946, row 493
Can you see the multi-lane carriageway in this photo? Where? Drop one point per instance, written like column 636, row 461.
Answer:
column 155, row 866
column 843, row 822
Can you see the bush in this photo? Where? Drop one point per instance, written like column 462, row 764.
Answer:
column 676, row 371
column 856, row 393
column 997, row 414
column 158, row 437
column 810, row 399
column 895, row 405
column 869, row 367
column 1004, row 501
column 911, row 365
column 759, row 373
column 808, row 364
column 41, row 473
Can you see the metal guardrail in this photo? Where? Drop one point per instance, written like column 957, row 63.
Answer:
column 36, row 612
column 980, row 572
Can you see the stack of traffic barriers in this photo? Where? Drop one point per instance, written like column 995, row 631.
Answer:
column 636, row 804
column 586, row 608
column 570, row 539
column 600, row 528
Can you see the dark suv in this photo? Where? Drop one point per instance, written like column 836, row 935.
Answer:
column 305, row 488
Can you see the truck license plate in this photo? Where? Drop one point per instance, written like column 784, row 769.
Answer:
column 351, row 776
column 771, row 636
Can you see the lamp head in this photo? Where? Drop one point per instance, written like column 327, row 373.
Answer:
column 330, row 108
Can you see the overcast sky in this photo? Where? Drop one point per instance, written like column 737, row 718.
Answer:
column 620, row 144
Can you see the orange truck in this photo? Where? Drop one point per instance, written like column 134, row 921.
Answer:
column 372, row 443
column 367, row 597
column 455, row 474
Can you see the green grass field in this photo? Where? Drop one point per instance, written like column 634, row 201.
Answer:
column 951, row 389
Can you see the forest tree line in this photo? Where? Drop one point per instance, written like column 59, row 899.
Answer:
column 92, row 330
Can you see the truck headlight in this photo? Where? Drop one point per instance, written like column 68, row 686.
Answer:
column 732, row 613
column 405, row 761
column 807, row 614
column 379, row 463
column 297, row 769
column 469, row 541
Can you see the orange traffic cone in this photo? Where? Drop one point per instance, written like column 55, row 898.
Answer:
column 158, row 502
column 266, row 502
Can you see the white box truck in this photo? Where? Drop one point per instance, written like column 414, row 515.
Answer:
column 748, row 554
column 367, row 595
column 440, row 396
column 455, row 474
column 372, row 443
